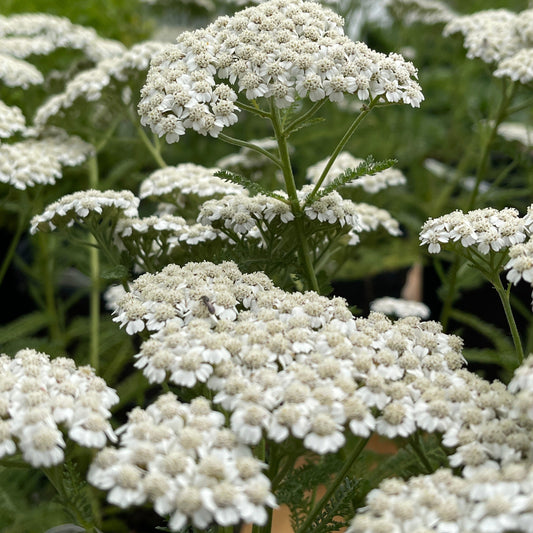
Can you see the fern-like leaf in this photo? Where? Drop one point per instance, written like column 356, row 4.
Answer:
column 76, row 489
column 341, row 508
column 298, row 489
column 23, row 326
column 251, row 186
column 369, row 167
column 406, row 463
column 306, row 123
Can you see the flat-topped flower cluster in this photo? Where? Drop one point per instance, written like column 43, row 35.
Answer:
column 215, row 210
column 280, row 49
column 23, row 35
column 37, row 395
column 482, row 229
column 74, row 208
column 90, row 84
column 487, row 499
column 182, row 459
column 300, row 365
column 494, row 34
column 399, row 307
column 424, row 11
column 39, row 160
column 174, row 183
column 500, row 37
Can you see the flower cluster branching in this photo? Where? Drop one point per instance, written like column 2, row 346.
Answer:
column 232, row 362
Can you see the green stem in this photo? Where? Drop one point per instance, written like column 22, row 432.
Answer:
column 251, row 146
column 21, row 224
column 328, row 251
column 290, row 185
column 350, row 459
column 156, row 154
column 107, row 135
column 300, row 120
column 54, row 474
column 450, row 293
column 504, row 295
column 252, row 109
column 501, row 113
column 47, row 264
column 94, row 298
column 481, row 171
column 418, row 447
column 527, row 104
column 286, row 465
column 342, row 143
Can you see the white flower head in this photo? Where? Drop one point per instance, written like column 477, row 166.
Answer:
column 518, row 67
column 74, row 208
column 11, row 120
column 193, row 470
column 18, row 73
column 485, row 229
column 482, row 499
column 186, row 179
column 90, row 84
column 278, row 49
column 516, row 131
column 40, row 395
column 22, row 35
column 490, row 35
column 40, row 160
column 421, row 11
column 400, row 307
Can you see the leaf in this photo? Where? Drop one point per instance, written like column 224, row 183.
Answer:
column 117, row 272
column 66, row 528
column 297, row 489
column 23, row 327
column 405, row 463
column 306, row 123
column 76, row 490
column 369, row 167
column 490, row 357
column 348, row 497
column 500, row 340
column 253, row 187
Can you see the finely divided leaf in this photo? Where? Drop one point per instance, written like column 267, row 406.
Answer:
column 253, row 187
column 369, row 167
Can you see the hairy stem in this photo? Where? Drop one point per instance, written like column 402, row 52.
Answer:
column 46, row 260
column 256, row 110
column 290, row 185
